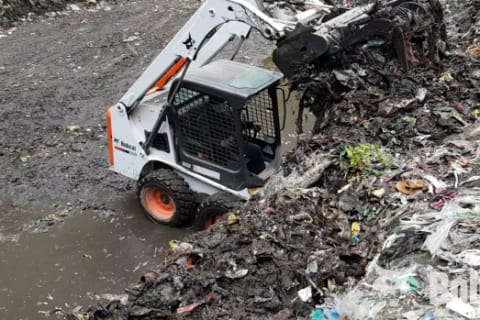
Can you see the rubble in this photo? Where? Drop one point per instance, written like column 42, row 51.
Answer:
column 384, row 196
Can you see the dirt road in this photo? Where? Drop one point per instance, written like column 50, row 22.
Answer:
column 58, row 78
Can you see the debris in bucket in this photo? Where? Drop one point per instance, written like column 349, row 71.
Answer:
column 369, row 222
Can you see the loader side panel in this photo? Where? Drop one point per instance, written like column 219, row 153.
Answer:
column 125, row 153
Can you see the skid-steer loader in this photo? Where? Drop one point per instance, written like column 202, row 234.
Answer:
column 200, row 136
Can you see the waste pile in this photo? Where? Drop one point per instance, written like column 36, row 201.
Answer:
column 383, row 198
column 428, row 269
column 275, row 258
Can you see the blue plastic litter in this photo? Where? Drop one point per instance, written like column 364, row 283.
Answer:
column 317, row 314
column 333, row 315
column 429, row 315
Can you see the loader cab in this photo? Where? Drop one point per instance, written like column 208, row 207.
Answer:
column 226, row 120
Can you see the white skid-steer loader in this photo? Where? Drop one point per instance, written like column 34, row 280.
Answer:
column 201, row 135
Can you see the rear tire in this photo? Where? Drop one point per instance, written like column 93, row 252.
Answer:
column 214, row 207
column 166, row 198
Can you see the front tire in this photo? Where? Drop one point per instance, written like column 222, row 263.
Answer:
column 166, row 198
column 214, row 207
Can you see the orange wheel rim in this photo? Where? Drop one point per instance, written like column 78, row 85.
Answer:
column 212, row 220
column 159, row 203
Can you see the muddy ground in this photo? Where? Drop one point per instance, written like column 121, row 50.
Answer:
column 69, row 228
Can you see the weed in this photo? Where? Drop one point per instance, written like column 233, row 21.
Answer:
column 364, row 158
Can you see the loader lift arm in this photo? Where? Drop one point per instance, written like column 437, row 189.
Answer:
column 210, row 29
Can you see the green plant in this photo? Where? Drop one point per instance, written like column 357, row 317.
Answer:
column 364, row 157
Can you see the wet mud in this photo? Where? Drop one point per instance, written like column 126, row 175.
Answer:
column 92, row 254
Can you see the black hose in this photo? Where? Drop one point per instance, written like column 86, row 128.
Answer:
column 163, row 114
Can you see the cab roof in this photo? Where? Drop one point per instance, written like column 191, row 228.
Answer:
column 232, row 77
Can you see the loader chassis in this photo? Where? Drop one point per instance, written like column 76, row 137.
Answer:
column 201, row 143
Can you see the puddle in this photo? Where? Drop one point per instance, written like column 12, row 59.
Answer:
column 92, row 253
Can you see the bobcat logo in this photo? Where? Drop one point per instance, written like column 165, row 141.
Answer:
column 189, row 42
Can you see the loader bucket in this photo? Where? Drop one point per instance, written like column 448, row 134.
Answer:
column 298, row 49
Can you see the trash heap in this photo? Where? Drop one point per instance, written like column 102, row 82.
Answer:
column 276, row 257
column 428, row 269
column 384, row 195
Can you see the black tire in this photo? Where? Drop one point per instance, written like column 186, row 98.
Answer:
column 166, row 198
column 213, row 207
